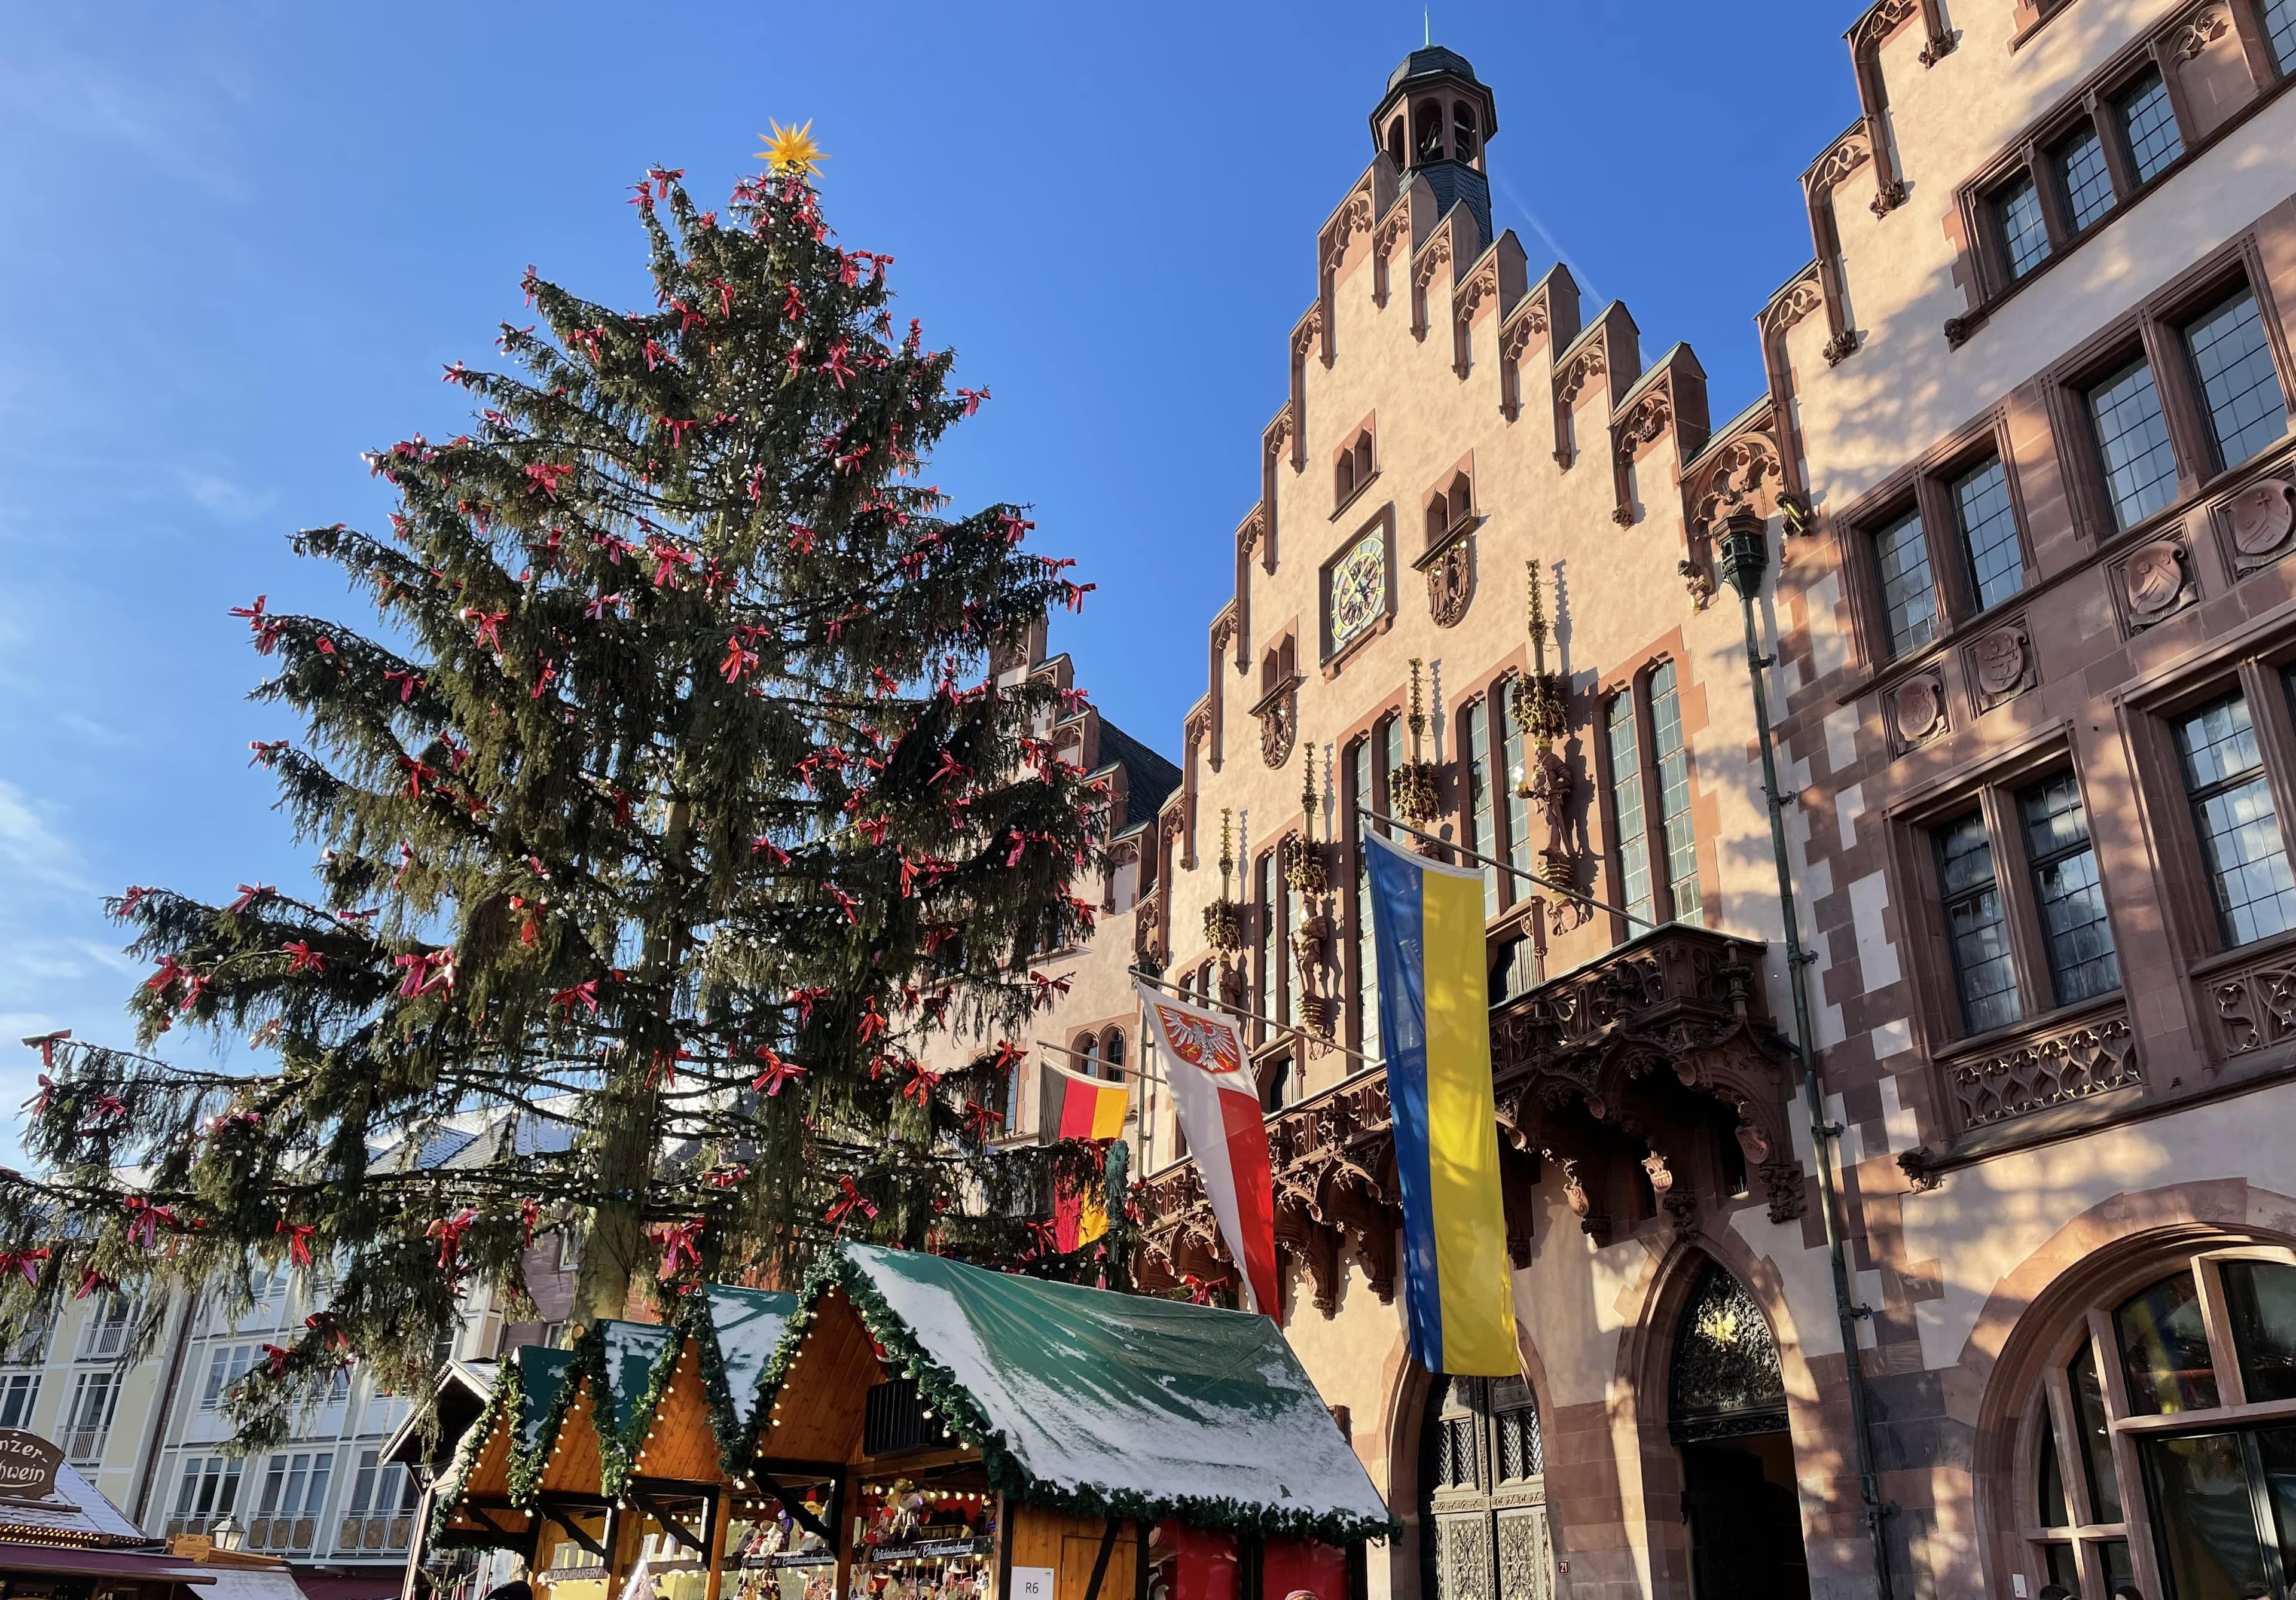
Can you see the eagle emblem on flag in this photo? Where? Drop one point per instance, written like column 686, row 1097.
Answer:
column 1200, row 1042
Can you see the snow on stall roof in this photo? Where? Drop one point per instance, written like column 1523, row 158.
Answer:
column 633, row 1350
column 1126, row 1392
column 749, row 1323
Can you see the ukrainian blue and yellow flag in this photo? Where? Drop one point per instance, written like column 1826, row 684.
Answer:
column 1434, row 1026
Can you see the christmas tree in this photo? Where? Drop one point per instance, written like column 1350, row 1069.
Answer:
column 667, row 814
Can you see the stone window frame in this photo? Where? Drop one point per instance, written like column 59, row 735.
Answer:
column 1983, row 269
column 2261, row 676
column 2043, row 1395
column 2154, row 328
column 1934, row 999
column 1350, row 474
column 1496, row 692
column 1636, row 683
column 1372, row 733
column 1927, row 487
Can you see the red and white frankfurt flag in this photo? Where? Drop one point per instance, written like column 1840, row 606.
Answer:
column 1219, row 1103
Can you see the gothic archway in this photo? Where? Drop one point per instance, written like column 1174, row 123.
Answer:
column 1726, row 1415
column 1483, row 1525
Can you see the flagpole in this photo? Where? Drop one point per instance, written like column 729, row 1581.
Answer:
column 1315, row 1040
column 1080, row 1056
column 1508, row 867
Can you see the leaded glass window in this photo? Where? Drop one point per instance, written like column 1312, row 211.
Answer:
column 2067, row 891
column 2238, row 829
column 2024, row 233
column 1626, row 753
column 1988, row 533
column 1909, row 597
column 2088, row 184
column 2132, row 434
column 2233, row 362
column 1681, row 839
column 2150, row 122
column 1978, row 925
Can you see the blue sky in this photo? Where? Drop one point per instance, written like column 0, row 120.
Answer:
column 246, row 238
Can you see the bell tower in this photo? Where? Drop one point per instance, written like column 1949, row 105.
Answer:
column 1433, row 123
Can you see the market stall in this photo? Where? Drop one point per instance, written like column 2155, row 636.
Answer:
column 910, row 1428
column 61, row 1540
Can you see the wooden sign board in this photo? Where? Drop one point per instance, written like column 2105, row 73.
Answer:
column 28, row 1466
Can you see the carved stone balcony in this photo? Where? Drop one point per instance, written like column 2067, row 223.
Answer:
column 1644, row 1056
column 1644, row 1059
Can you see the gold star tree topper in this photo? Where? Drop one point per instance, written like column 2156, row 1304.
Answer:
column 791, row 150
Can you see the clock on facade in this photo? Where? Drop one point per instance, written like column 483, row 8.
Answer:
column 1358, row 596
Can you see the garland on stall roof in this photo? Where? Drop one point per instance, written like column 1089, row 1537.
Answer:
column 952, row 1402
column 508, row 1396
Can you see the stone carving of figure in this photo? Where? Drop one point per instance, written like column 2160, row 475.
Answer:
column 1234, row 993
column 1311, row 946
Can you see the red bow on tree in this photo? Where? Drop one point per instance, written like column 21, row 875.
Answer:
column 324, row 1324
column 679, row 1243
column 1046, row 1235
column 274, row 1360
column 602, row 603
column 778, row 1072
column 921, row 1084
column 529, row 1212
column 145, row 1221
column 449, row 1231
column 873, row 1020
column 980, row 1122
column 426, row 972
column 728, row 1177
column 1200, row 1290
column 971, row 398
column 249, row 894
column 763, row 846
column 585, row 994
column 854, row 1199
column 306, row 959
column 738, row 659
column 487, row 623
column 90, row 1282
column 45, row 1044
column 547, row 476
column 108, row 1108
column 266, row 751
column 132, row 899
column 1047, row 989
column 298, row 1240
column 25, row 1261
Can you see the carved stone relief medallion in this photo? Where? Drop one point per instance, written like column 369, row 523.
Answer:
column 2000, row 657
column 2154, row 579
column 1918, row 707
column 2261, row 516
column 1451, row 583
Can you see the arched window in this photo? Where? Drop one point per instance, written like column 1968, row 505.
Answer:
column 1087, row 1054
column 1343, row 478
column 2157, row 1446
column 1427, row 132
column 1462, row 131
column 1395, row 152
column 1111, row 1055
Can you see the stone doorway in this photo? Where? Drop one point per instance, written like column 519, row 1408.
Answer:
column 1726, row 1415
column 1482, row 1502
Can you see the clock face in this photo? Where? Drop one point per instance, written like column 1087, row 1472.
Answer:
column 1358, row 589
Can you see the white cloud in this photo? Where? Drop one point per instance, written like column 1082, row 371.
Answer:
column 32, row 852
column 220, row 497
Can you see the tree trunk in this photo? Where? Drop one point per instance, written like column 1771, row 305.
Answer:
column 629, row 1114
